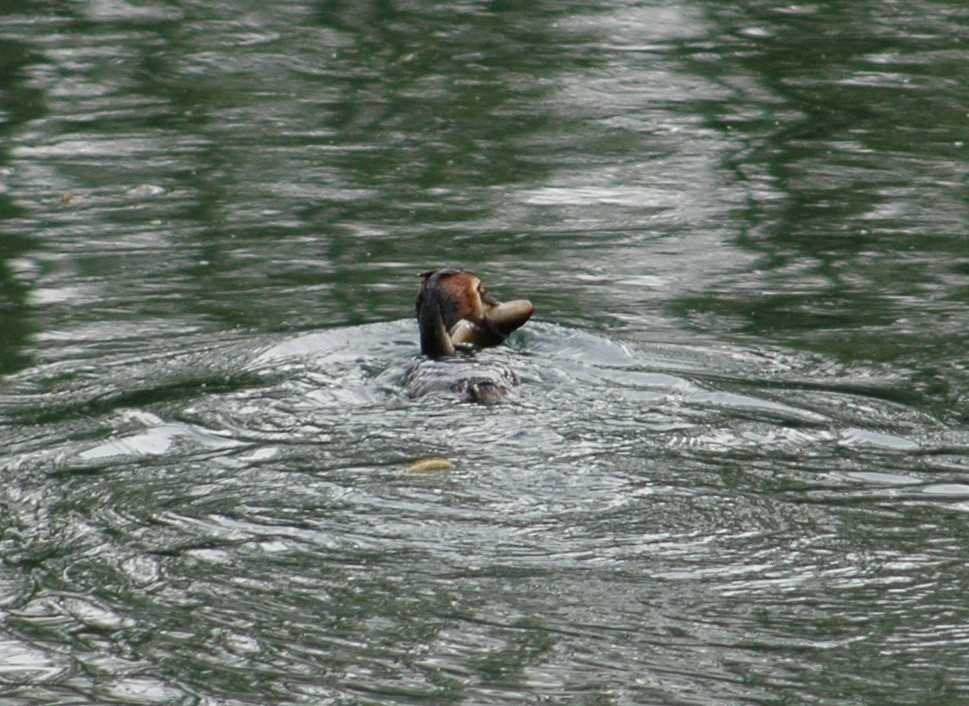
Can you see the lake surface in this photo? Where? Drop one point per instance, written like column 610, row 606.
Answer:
column 737, row 471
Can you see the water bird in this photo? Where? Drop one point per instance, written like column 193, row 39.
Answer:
column 456, row 316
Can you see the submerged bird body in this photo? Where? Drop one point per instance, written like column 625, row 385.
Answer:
column 463, row 378
column 455, row 313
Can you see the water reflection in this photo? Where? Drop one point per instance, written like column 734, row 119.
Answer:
column 19, row 104
column 855, row 165
column 737, row 469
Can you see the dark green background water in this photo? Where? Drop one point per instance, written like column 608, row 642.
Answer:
column 739, row 469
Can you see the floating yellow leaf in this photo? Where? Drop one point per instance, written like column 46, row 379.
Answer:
column 435, row 463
